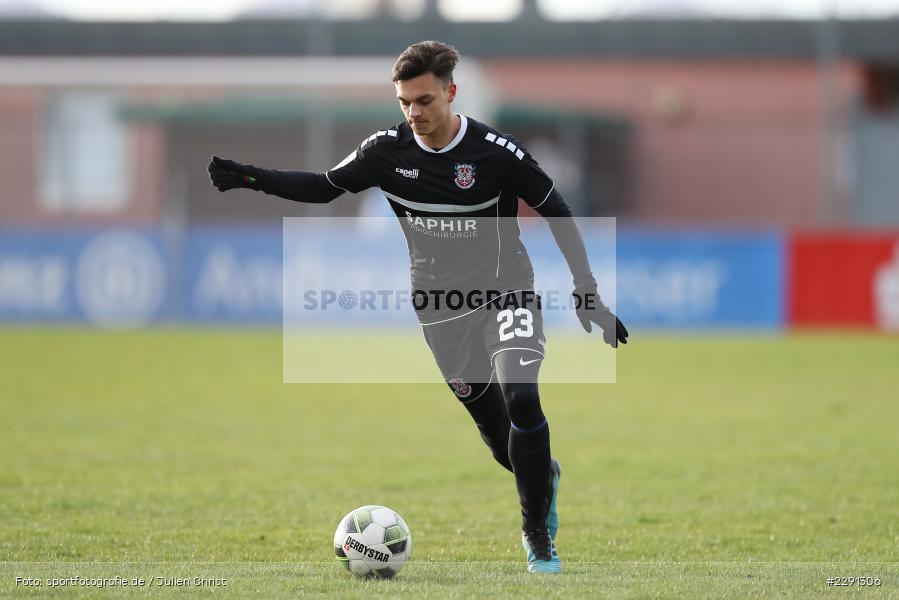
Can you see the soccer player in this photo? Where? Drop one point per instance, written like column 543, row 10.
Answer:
column 454, row 184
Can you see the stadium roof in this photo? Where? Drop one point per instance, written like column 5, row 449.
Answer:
column 526, row 37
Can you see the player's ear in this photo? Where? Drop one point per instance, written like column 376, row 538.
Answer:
column 451, row 91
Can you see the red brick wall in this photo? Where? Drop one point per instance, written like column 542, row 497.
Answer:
column 19, row 152
column 746, row 148
column 21, row 123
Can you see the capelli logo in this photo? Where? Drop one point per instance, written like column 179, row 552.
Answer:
column 410, row 173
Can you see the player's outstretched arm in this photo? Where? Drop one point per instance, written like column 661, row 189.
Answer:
column 588, row 305
column 299, row 186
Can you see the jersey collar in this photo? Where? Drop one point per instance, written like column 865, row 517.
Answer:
column 463, row 126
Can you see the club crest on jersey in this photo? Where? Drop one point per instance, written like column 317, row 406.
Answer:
column 464, row 175
column 460, row 388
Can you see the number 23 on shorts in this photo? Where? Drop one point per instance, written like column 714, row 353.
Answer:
column 506, row 319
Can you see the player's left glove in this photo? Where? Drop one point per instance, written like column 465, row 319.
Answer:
column 590, row 309
column 227, row 174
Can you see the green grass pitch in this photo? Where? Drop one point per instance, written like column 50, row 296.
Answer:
column 720, row 466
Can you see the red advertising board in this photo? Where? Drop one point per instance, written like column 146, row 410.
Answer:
column 844, row 279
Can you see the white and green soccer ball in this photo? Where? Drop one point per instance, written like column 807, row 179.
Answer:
column 373, row 541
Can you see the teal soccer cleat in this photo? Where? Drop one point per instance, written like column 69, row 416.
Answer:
column 541, row 551
column 552, row 513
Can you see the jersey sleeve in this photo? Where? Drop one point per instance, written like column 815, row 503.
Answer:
column 536, row 188
column 356, row 172
column 530, row 182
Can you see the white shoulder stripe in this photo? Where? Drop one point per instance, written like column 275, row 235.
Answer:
column 505, row 143
column 377, row 134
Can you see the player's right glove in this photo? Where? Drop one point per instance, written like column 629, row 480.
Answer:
column 226, row 175
column 590, row 309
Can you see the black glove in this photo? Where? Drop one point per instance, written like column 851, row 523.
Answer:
column 590, row 309
column 226, row 175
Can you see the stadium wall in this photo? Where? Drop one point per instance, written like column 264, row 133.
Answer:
column 695, row 279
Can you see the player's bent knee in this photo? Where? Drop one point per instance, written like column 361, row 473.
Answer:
column 523, row 404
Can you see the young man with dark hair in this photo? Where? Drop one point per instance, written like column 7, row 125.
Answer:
column 442, row 172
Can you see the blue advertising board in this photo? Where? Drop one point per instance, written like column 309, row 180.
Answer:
column 701, row 279
column 114, row 278
column 231, row 275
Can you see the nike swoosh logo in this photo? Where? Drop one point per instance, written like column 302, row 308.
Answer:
column 525, row 363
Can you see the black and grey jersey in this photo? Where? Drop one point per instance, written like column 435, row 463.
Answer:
column 451, row 202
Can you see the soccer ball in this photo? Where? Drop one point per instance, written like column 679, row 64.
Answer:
column 373, row 541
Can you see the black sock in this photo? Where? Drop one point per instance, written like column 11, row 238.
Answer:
column 529, row 439
column 489, row 413
column 530, row 454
